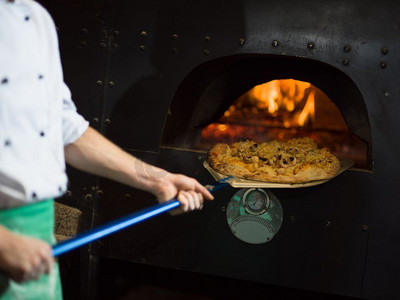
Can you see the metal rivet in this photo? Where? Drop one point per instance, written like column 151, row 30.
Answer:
column 127, row 196
column 347, row 48
column 99, row 82
column 241, row 41
column 95, row 120
column 175, row 36
column 142, row 47
column 387, row 94
column 345, row 61
column 83, row 43
column 292, row 219
column 275, row 43
column 111, row 84
column 206, row 52
column 88, row 196
column 99, row 193
column 383, row 64
column 223, row 209
column 310, row 45
column 116, row 33
column 207, row 39
column 364, row 227
column 107, row 121
column 103, row 45
column 328, row 224
column 69, row 194
column 384, row 50
column 143, row 33
column 84, row 30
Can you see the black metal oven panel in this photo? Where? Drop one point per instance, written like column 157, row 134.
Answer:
column 321, row 246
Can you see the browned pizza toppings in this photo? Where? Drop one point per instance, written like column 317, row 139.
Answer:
column 298, row 160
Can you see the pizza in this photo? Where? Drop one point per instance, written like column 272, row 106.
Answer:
column 298, row 160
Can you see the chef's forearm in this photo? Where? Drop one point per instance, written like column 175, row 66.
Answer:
column 95, row 154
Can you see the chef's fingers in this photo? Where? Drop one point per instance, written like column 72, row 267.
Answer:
column 203, row 191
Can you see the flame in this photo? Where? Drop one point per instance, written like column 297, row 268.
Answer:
column 284, row 95
column 308, row 112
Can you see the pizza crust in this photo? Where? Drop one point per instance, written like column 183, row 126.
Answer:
column 297, row 161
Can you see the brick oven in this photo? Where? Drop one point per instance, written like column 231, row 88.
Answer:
column 156, row 76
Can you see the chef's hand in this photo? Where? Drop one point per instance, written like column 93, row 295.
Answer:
column 189, row 192
column 23, row 258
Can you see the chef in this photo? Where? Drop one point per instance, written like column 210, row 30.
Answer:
column 41, row 131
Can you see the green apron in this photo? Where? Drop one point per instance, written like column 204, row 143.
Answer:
column 35, row 220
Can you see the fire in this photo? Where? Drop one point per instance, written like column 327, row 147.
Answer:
column 285, row 95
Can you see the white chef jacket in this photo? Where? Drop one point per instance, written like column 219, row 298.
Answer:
column 37, row 115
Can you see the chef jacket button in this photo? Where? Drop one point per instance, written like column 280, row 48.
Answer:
column 40, row 76
column 27, row 18
column 60, row 189
column 34, row 195
column 42, row 134
column 7, row 143
column 4, row 80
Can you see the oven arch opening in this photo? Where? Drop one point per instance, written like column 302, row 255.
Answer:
column 210, row 90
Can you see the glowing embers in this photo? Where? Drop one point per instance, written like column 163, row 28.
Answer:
column 283, row 109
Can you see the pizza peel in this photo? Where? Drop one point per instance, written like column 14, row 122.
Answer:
column 124, row 222
column 237, row 182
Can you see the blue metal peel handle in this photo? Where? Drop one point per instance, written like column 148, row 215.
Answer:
column 122, row 223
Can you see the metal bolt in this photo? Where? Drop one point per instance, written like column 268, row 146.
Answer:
column 206, row 52
column 175, row 36
column 103, row 45
column 383, row 64
column 143, row 33
column 127, row 196
column 142, row 47
column 116, row 33
column 328, row 224
column 347, row 48
column 207, row 39
column 310, row 45
column 88, row 196
column 275, row 43
column 107, row 121
column 69, row 194
column 292, row 219
column 345, row 61
column 387, row 94
column 99, row 193
column 95, row 120
column 99, row 82
column 223, row 209
column 241, row 41
column 364, row 227
column 84, row 30
column 384, row 50
column 111, row 84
